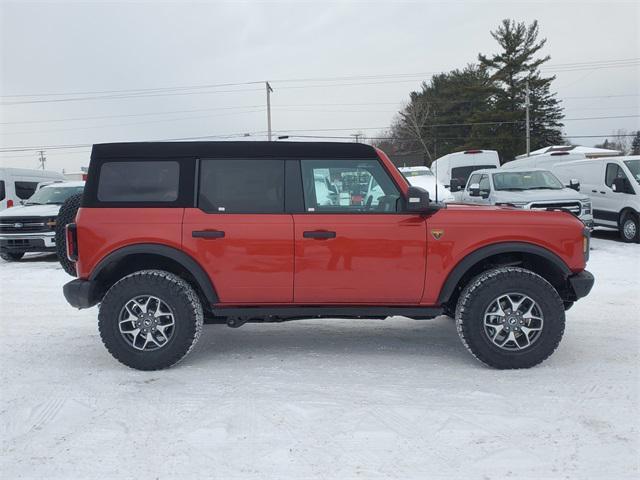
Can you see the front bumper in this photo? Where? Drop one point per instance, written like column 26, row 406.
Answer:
column 81, row 293
column 28, row 242
column 581, row 283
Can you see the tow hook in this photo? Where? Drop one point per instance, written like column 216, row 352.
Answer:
column 236, row 322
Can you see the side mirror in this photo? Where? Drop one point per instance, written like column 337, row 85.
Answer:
column 574, row 184
column 619, row 185
column 474, row 190
column 455, row 185
column 417, row 200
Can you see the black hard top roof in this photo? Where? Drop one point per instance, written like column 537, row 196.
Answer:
column 233, row 149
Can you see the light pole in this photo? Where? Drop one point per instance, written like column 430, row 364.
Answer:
column 527, row 119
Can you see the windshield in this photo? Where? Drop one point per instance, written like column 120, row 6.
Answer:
column 535, row 180
column 53, row 195
column 634, row 168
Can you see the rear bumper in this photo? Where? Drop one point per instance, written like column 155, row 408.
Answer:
column 81, row 293
column 581, row 283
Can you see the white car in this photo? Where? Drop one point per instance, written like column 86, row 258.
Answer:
column 423, row 177
column 30, row 227
column 534, row 189
column 613, row 184
column 18, row 184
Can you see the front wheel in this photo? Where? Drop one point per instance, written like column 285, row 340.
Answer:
column 11, row 256
column 150, row 319
column 629, row 228
column 510, row 318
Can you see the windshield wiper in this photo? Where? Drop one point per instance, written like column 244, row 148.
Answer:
column 32, row 203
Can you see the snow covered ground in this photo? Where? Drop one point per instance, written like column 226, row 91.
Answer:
column 319, row 399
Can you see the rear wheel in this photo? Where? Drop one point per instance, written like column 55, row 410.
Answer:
column 629, row 228
column 150, row 319
column 510, row 318
column 11, row 256
column 66, row 215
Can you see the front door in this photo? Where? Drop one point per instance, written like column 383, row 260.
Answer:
column 352, row 245
column 240, row 233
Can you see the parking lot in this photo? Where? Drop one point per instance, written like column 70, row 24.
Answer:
column 323, row 399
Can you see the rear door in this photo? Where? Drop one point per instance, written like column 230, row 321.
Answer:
column 352, row 245
column 240, row 232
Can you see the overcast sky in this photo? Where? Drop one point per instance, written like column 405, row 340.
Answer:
column 71, row 48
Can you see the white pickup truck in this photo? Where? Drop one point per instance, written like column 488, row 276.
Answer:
column 30, row 227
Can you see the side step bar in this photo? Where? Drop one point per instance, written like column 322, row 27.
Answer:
column 280, row 313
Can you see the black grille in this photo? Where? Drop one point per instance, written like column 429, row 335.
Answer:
column 24, row 224
column 573, row 207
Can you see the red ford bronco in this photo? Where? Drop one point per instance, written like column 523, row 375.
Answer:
column 173, row 235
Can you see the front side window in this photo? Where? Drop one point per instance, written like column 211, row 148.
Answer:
column 533, row 180
column 613, row 171
column 461, row 174
column 242, row 186
column 139, row 181
column 357, row 186
column 485, row 186
column 25, row 189
column 472, row 180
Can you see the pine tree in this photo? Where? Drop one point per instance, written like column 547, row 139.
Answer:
column 511, row 69
column 635, row 144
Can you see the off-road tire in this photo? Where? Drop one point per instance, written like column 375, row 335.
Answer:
column 176, row 293
column 478, row 295
column 11, row 256
column 66, row 216
column 629, row 219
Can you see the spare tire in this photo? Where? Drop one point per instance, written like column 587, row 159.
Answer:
column 66, row 216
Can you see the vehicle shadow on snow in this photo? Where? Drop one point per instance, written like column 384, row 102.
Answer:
column 435, row 339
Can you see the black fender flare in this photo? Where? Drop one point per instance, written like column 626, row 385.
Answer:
column 476, row 256
column 201, row 277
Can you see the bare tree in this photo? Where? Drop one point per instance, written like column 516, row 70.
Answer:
column 412, row 124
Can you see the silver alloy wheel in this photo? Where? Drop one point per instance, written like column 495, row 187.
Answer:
column 146, row 322
column 629, row 229
column 513, row 321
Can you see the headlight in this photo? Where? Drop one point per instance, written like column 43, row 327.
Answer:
column 586, row 207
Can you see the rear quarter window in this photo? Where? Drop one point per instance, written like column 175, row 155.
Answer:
column 139, row 182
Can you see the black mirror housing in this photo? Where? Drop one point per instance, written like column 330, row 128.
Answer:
column 574, row 184
column 418, row 200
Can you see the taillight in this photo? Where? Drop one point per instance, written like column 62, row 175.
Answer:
column 71, row 233
column 9, row 203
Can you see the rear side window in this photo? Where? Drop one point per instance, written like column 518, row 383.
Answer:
column 2, row 191
column 139, row 181
column 242, row 186
column 24, row 190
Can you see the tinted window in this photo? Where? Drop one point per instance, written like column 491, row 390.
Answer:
column 462, row 173
column 25, row 189
column 2, row 192
column 142, row 181
column 347, row 186
column 613, row 172
column 242, row 186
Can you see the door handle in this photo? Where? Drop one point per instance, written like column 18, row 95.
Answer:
column 594, row 191
column 604, row 193
column 319, row 234
column 207, row 234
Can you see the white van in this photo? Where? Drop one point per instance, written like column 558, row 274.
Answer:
column 18, row 184
column 544, row 160
column 613, row 184
column 423, row 177
column 453, row 170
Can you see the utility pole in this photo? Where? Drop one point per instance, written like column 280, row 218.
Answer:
column 269, row 90
column 356, row 137
column 528, row 126
column 42, row 159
